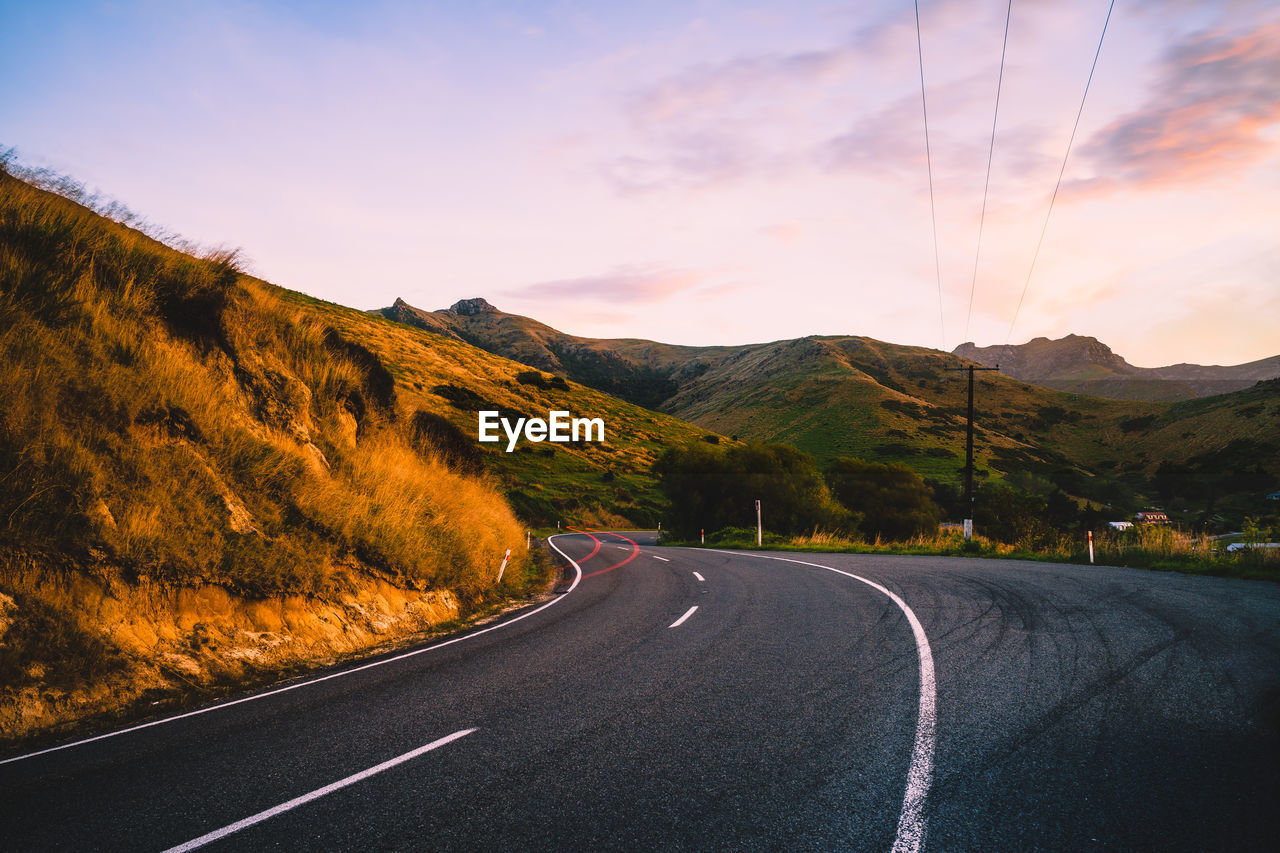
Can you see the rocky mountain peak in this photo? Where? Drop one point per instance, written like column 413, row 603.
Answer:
column 471, row 307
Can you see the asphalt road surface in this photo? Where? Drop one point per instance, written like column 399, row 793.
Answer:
column 683, row 699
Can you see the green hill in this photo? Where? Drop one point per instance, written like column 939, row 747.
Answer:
column 587, row 483
column 843, row 395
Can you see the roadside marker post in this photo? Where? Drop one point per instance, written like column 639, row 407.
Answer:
column 759, row 527
column 1090, row 547
column 703, row 533
column 503, row 567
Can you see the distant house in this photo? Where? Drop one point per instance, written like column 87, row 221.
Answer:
column 1153, row 516
column 1120, row 525
column 1274, row 496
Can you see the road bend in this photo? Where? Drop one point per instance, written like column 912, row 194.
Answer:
column 689, row 699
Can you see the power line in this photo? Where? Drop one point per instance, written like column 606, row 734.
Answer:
column 933, row 215
column 973, row 284
column 1062, row 170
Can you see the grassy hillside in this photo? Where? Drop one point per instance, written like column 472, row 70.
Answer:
column 588, row 483
column 187, row 423
column 643, row 372
column 203, row 479
column 838, row 396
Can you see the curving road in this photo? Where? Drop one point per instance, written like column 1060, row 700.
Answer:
column 687, row 699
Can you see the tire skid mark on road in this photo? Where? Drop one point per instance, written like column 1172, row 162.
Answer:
column 912, row 822
column 591, row 536
column 635, row 552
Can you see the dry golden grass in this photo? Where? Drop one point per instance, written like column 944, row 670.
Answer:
column 165, row 415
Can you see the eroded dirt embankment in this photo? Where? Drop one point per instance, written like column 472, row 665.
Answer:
column 76, row 645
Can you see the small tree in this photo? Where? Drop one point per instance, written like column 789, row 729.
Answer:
column 893, row 500
column 713, row 487
column 1009, row 515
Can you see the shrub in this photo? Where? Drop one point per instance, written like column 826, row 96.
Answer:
column 892, row 500
column 712, row 487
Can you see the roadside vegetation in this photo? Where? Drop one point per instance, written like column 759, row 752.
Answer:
column 867, row 507
column 1155, row 548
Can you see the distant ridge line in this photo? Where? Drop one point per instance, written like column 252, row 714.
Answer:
column 1082, row 364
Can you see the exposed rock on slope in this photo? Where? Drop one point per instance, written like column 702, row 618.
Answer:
column 156, row 639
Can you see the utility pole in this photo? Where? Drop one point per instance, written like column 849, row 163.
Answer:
column 968, row 454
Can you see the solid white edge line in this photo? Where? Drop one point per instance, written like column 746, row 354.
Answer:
column 700, row 578
column 680, row 621
column 210, row 837
column 663, row 559
column 912, row 821
column 345, row 672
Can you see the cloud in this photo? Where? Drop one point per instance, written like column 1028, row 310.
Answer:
column 787, row 233
column 889, row 143
column 890, row 139
column 714, row 123
column 696, row 158
column 695, row 92
column 627, row 285
column 1211, row 106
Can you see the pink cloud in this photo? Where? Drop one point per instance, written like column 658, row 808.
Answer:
column 632, row 285
column 708, row 124
column 1211, row 105
column 787, row 233
column 691, row 94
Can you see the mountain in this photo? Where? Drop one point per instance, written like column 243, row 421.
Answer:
column 1085, row 365
column 639, row 371
column 848, row 395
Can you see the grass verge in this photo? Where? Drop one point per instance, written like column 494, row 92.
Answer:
column 1155, row 548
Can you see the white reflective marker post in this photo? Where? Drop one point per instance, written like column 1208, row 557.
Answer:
column 759, row 527
column 503, row 567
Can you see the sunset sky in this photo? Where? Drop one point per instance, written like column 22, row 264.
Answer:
column 701, row 172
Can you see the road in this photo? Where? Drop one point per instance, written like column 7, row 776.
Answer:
column 687, row 699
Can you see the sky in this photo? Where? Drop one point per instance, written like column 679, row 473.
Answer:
column 697, row 172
